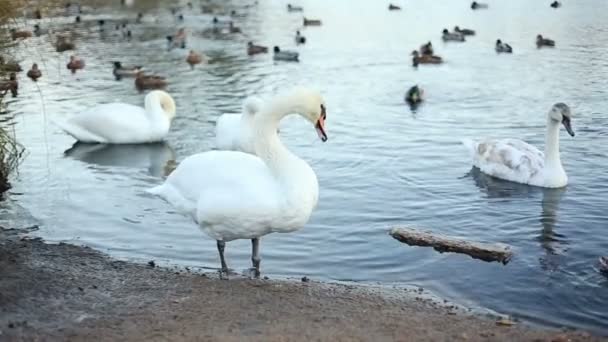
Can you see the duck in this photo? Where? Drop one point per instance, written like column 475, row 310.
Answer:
column 292, row 8
column 234, row 132
column 517, row 161
column 503, row 47
column 540, row 41
column 464, row 32
column 235, row 195
column 414, row 95
column 556, row 4
column 123, row 123
column 451, row 37
column 38, row 31
column 234, row 29
column 75, row 64
column 34, row 73
column 425, row 59
column 180, row 38
column 253, row 49
column 20, row 34
column 143, row 82
column 476, row 5
column 121, row 71
column 63, row 44
column 280, row 55
column 392, row 7
column 11, row 85
column 101, row 25
column 300, row 39
column 311, row 22
column 195, row 58
column 9, row 66
column 427, row 49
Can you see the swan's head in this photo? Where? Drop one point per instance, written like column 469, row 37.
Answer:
column 310, row 104
column 560, row 112
column 445, row 31
column 498, row 42
column 162, row 98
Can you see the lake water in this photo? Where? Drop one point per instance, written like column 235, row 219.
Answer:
column 383, row 164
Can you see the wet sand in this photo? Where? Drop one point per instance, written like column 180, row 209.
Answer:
column 67, row 292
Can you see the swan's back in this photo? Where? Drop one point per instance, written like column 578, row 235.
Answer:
column 117, row 123
column 509, row 159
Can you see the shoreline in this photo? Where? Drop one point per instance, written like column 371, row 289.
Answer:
column 63, row 291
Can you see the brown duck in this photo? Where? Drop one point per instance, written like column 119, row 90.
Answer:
column 34, row 73
column 10, row 85
column 194, row 58
column 20, row 34
column 425, row 59
column 255, row 49
column 9, row 66
column 311, row 22
column 149, row 82
column 75, row 64
column 63, row 44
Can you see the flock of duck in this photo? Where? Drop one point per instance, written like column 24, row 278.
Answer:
column 252, row 184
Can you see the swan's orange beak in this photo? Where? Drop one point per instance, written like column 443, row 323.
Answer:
column 320, row 125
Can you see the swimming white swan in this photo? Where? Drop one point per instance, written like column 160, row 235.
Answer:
column 122, row 123
column 517, row 161
column 234, row 132
column 234, row 195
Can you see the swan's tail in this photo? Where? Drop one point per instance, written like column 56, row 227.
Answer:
column 470, row 145
column 168, row 193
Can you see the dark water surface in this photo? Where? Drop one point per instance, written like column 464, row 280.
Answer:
column 383, row 165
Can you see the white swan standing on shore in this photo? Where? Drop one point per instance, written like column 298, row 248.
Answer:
column 234, row 195
column 234, row 132
column 122, row 123
column 517, row 161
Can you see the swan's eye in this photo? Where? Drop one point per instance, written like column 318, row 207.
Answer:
column 323, row 113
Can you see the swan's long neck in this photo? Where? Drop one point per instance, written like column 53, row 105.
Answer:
column 552, row 158
column 298, row 182
column 268, row 146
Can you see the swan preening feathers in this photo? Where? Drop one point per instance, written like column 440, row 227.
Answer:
column 516, row 161
column 235, row 195
column 122, row 123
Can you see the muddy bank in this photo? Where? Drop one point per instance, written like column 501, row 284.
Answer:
column 58, row 292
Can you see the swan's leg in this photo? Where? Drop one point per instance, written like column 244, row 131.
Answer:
column 221, row 245
column 255, row 255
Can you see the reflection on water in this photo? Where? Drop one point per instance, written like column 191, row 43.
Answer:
column 498, row 188
column 383, row 165
column 157, row 158
column 551, row 241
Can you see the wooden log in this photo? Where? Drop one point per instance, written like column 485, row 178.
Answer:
column 441, row 243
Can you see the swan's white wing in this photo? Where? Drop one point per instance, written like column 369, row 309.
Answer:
column 509, row 159
column 229, row 194
column 252, row 105
column 110, row 123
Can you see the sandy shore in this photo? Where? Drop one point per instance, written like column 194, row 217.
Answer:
column 59, row 292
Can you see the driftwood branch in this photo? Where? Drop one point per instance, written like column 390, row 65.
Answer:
column 441, row 243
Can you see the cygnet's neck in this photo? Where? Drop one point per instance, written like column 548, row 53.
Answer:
column 552, row 158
